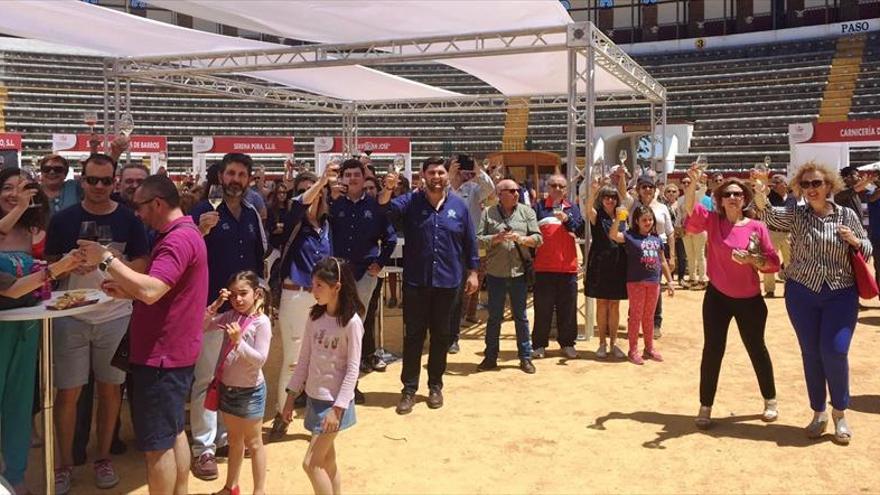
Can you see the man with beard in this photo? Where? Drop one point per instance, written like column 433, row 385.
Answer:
column 440, row 245
column 235, row 241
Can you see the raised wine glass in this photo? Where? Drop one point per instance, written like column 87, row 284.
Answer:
column 126, row 124
column 28, row 175
column 105, row 235
column 702, row 162
column 398, row 164
column 90, row 117
column 622, row 156
column 215, row 195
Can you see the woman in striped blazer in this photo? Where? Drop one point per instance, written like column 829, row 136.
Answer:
column 820, row 288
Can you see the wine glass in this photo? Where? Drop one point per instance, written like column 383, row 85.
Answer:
column 215, row 195
column 90, row 117
column 622, row 156
column 398, row 164
column 27, row 174
column 88, row 231
column 702, row 162
column 105, row 235
column 126, row 124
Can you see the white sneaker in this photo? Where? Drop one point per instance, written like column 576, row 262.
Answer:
column 770, row 413
column 617, row 353
column 569, row 352
column 602, row 352
column 538, row 353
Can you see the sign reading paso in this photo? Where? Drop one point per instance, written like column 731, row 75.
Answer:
column 80, row 143
column 10, row 141
column 243, row 144
column 379, row 145
column 835, row 132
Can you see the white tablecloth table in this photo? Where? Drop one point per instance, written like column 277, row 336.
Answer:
column 40, row 312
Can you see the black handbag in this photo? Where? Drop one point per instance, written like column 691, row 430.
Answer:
column 276, row 271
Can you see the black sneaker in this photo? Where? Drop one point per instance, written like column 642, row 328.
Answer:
column 359, row 396
column 377, row 364
column 527, row 366
column 453, row 348
column 487, row 364
column 279, row 429
column 407, row 401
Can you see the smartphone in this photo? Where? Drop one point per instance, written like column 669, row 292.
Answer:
column 465, row 162
column 508, row 228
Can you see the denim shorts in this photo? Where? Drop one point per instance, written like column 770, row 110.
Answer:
column 317, row 409
column 158, row 402
column 243, row 402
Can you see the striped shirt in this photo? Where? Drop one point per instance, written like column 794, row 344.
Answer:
column 819, row 256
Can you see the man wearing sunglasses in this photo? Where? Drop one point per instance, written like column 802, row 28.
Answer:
column 87, row 342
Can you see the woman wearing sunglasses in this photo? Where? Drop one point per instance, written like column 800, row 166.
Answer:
column 738, row 248
column 820, row 289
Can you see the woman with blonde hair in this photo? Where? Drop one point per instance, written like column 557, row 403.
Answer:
column 820, row 288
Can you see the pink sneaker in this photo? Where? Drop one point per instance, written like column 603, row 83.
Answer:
column 634, row 358
column 653, row 355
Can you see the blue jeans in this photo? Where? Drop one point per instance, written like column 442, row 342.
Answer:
column 499, row 289
column 824, row 323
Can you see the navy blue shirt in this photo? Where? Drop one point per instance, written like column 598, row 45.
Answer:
column 233, row 244
column 440, row 244
column 63, row 231
column 310, row 246
column 358, row 228
column 643, row 257
column 874, row 221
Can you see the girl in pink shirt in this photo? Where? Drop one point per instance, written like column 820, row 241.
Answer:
column 328, row 366
column 738, row 248
column 240, row 373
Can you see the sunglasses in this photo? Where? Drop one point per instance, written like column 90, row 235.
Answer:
column 732, row 194
column 93, row 181
column 812, row 184
column 515, row 191
column 48, row 169
column 646, row 186
column 556, row 186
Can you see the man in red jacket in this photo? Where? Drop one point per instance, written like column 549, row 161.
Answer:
column 556, row 269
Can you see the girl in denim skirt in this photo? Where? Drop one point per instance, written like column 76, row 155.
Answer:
column 327, row 369
column 240, row 371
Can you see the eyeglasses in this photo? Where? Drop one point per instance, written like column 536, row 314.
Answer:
column 514, row 191
column 556, row 186
column 93, row 181
column 646, row 186
column 48, row 169
column 812, row 184
column 142, row 203
column 732, row 194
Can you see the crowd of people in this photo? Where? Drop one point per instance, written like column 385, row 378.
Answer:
column 199, row 279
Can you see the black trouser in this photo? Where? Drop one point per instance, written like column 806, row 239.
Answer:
column 426, row 308
column 368, row 344
column 555, row 291
column 680, row 258
column 751, row 318
column 456, row 310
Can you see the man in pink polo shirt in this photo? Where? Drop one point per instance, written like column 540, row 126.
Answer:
column 166, row 328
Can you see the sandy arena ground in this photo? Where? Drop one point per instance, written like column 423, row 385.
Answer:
column 583, row 426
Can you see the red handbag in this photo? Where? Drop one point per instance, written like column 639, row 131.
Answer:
column 212, row 395
column 865, row 281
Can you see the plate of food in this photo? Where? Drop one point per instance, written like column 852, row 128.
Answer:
column 73, row 299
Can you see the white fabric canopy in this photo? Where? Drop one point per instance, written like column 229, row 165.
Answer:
column 75, row 23
column 351, row 21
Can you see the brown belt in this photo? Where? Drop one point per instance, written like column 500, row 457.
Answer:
column 290, row 286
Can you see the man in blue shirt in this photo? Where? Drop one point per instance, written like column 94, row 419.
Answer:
column 235, row 241
column 364, row 237
column 440, row 245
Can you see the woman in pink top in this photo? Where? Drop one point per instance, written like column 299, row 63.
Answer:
column 738, row 248
column 240, row 373
column 328, row 366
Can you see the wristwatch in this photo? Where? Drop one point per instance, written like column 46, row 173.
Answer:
column 104, row 265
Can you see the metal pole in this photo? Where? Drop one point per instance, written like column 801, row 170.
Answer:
column 116, row 98
column 46, row 387
column 653, row 150
column 128, row 110
column 106, row 105
column 663, row 139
